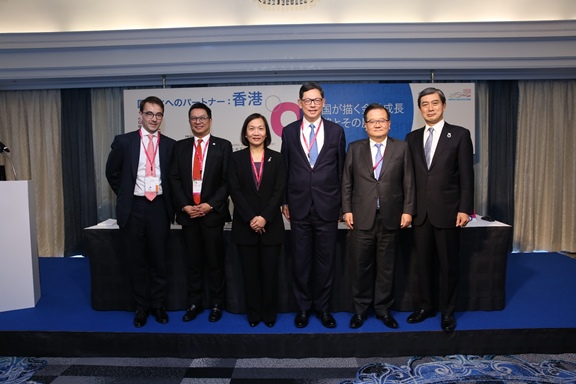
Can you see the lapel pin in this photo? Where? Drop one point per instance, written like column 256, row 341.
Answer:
column 449, row 135
column 269, row 159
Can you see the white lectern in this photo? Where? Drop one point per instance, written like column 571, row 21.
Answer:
column 19, row 274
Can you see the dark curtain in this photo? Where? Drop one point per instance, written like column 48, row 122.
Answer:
column 78, row 174
column 502, row 129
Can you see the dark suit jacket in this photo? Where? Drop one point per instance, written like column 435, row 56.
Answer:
column 395, row 186
column 214, row 180
column 250, row 202
column 321, row 185
column 122, row 167
column 448, row 186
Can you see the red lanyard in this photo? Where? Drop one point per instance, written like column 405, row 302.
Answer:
column 201, row 153
column 309, row 147
column 257, row 174
column 146, row 150
column 379, row 161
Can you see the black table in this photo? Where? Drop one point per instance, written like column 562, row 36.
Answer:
column 482, row 286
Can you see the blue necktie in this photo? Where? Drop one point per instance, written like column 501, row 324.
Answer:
column 314, row 149
column 428, row 147
column 378, row 162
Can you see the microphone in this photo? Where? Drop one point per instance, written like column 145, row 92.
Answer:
column 3, row 148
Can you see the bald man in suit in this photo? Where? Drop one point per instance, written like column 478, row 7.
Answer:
column 442, row 155
column 378, row 199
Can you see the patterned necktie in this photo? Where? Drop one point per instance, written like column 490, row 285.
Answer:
column 428, row 147
column 314, row 149
column 378, row 163
column 196, row 169
column 150, row 165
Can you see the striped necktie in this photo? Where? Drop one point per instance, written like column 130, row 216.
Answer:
column 428, row 147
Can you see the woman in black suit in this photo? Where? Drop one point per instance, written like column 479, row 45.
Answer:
column 257, row 178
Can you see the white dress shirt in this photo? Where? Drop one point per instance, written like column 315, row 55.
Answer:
column 305, row 133
column 141, row 174
column 437, row 132
column 373, row 150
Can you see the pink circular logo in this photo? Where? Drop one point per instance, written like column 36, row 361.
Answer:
column 278, row 111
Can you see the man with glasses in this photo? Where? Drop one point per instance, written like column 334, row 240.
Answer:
column 137, row 170
column 378, row 195
column 199, row 179
column 314, row 150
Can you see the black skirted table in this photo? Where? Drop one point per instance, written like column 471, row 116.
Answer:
column 484, row 254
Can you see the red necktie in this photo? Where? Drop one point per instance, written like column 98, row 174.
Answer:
column 150, row 165
column 197, row 168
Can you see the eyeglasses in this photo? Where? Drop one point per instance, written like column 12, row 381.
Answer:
column 374, row 122
column 201, row 119
column 310, row 101
column 152, row 115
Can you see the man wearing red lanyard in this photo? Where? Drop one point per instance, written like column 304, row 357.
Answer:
column 199, row 180
column 137, row 170
column 314, row 150
column 378, row 194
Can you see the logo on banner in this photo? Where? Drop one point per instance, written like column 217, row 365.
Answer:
column 465, row 94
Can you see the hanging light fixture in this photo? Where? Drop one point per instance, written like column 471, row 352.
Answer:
column 285, row 3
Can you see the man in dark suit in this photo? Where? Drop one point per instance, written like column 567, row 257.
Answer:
column 199, row 178
column 377, row 200
column 137, row 170
column 442, row 155
column 314, row 150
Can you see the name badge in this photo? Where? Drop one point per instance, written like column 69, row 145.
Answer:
column 196, row 187
column 152, row 184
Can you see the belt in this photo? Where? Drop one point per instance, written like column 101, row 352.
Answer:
column 138, row 197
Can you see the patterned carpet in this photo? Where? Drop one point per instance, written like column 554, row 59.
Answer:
column 413, row 370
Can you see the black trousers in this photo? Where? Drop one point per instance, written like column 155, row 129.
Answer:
column 313, row 252
column 145, row 238
column 260, row 265
column 438, row 266
column 372, row 258
column 205, row 256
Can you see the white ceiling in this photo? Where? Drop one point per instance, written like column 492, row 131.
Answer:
column 22, row 16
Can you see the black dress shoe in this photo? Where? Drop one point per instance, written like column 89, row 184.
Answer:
column 357, row 321
column 192, row 312
column 253, row 323
column 420, row 315
column 448, row 323
column 269, row 324
column 215, row 313
column 388, row 320
column 301, row 320
column 326, row 319
column 140, row 319
column 160, row 315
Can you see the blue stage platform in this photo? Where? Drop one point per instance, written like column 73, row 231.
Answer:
column 539, row 317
